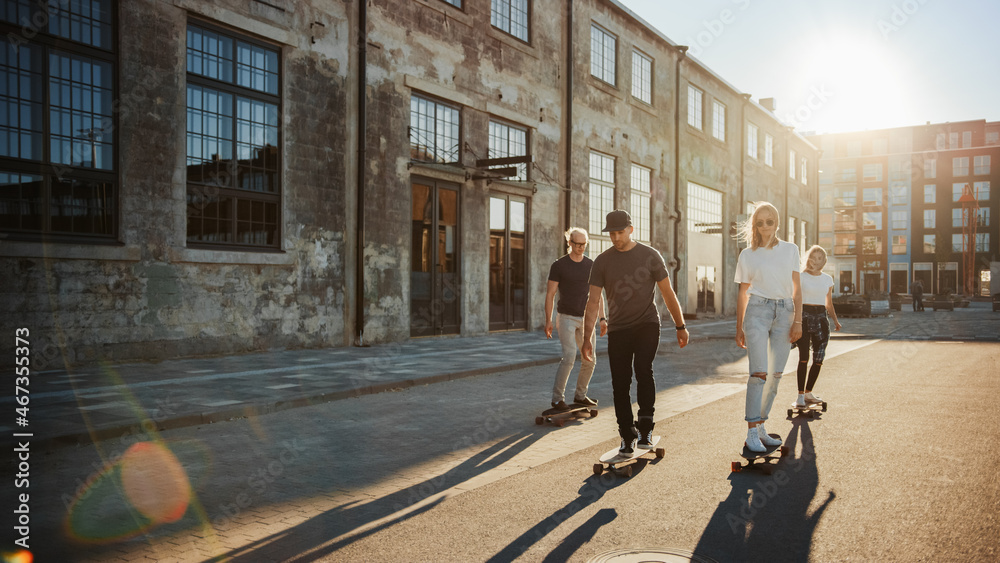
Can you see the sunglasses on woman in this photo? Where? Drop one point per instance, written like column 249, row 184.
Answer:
column 769, row 223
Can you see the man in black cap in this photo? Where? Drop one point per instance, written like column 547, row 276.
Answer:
column 629, row 273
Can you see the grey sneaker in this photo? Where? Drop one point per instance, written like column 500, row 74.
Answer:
column 561, row 406
column 627, row 448
column 646, row 440
column 586, row 401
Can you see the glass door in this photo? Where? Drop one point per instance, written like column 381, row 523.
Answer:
column 434, row 272
column 508, row 263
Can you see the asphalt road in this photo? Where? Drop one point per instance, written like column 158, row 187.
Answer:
column 901, row 468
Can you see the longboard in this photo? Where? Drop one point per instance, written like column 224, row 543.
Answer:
column 811, row 410
column 766, row 455
column 612, row 458
column 559, row 417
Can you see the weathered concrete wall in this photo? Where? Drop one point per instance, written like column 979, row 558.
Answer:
column 151, row 297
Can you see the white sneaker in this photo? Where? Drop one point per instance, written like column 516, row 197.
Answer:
column 812, row 399
column 753, row 441
column 766, row 438
column 801, row 401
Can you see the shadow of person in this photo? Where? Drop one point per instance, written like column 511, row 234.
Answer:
column 766, row 517
column 592, row 490
column 311, row 538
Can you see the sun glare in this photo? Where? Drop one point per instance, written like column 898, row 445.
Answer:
column 847, row 85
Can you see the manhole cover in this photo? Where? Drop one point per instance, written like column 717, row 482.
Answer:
column 653, row 555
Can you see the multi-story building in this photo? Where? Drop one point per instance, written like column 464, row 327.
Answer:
column 181, row 177
column 892, row 208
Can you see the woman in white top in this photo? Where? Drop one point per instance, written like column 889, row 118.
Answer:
column 768, row 315
column 817, row 302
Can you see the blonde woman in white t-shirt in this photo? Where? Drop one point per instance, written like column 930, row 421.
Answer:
column 768, row 315
column 817, row 303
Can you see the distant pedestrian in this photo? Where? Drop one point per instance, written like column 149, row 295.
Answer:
column 630, row 273
column 918, row 295
column 570, row 277
column 817, row 303
column 768, row 314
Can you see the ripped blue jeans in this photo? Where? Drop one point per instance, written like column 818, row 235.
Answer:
column 766, row 325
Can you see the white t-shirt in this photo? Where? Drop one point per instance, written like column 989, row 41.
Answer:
column 815, row 288
column 769, row 270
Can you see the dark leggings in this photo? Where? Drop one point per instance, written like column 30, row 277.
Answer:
column 815, row 333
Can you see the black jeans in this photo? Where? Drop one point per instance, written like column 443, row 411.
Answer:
column 627, row 349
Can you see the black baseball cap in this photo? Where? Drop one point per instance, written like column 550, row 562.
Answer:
column 617, row 220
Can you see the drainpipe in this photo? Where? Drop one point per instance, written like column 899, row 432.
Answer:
column 682, row 52
column 568, row 142
column 359, row 289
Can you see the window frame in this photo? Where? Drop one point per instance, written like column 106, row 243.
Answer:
column 523, row 171
column 640, row 196
column 719, row 125
column 238, row 197
column 604, row 182
column 41, row 168
column 696, row 107
column 607, row 39
column 509, row 17
column 433, row 150
column 642, row 77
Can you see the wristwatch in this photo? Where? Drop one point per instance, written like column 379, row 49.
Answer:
column 682, row 327
column 601, row 319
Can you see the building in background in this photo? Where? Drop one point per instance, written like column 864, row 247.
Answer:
column 911, row 203
column 218, row 177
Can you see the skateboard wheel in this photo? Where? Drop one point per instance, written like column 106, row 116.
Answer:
column 660, row 452
column 539, row 420
column 824, row 406
column 784, row 451
column 598, row 469
column 627, row 472
column 593, row 413
column 789, row 413
column 736, row 467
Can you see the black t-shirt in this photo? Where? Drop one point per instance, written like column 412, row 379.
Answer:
column 629, row 280
column 574, row 284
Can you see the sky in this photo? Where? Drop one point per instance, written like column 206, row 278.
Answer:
column 846, row 65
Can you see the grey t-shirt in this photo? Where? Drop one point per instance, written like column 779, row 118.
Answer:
column 629, row 279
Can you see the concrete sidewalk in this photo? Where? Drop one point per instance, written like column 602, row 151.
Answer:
column 101, row 402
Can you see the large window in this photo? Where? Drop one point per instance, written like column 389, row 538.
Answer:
column 434, row 130
column 704, row 210
column 233, row 144
column 719, row 120
column 899, row 244
column 899, row 220
column 930, row 193
column 872, row 172
column 982, row 190
column 642, row 77
column 768, row 149
column 511, row 16
column 791, row 164
column 640, row 195
column 602, row 199
column 982, row 165
column 58, row 171
column 752, row 140
column 960, row 166
column 695, row 99
column 602, row 54
column 930, row 219
column 509, row 140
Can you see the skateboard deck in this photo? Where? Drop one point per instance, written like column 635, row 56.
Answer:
column 559, row 417
column 754, row 457
column 613, row 459
column 811, row 410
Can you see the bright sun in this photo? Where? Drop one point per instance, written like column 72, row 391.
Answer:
column 847, row 85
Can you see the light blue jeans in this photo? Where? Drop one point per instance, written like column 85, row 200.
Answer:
column 766, row 325
column 570, row 331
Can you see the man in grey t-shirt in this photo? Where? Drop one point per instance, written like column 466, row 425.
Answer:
column 630, row 273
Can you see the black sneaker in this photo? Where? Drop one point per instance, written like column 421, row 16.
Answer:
column 646, row 440
column 561, row 405
column 628, row 447
column 586, row 401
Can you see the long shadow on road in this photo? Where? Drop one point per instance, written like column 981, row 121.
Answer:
column 349, row 522
column 767, row 517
